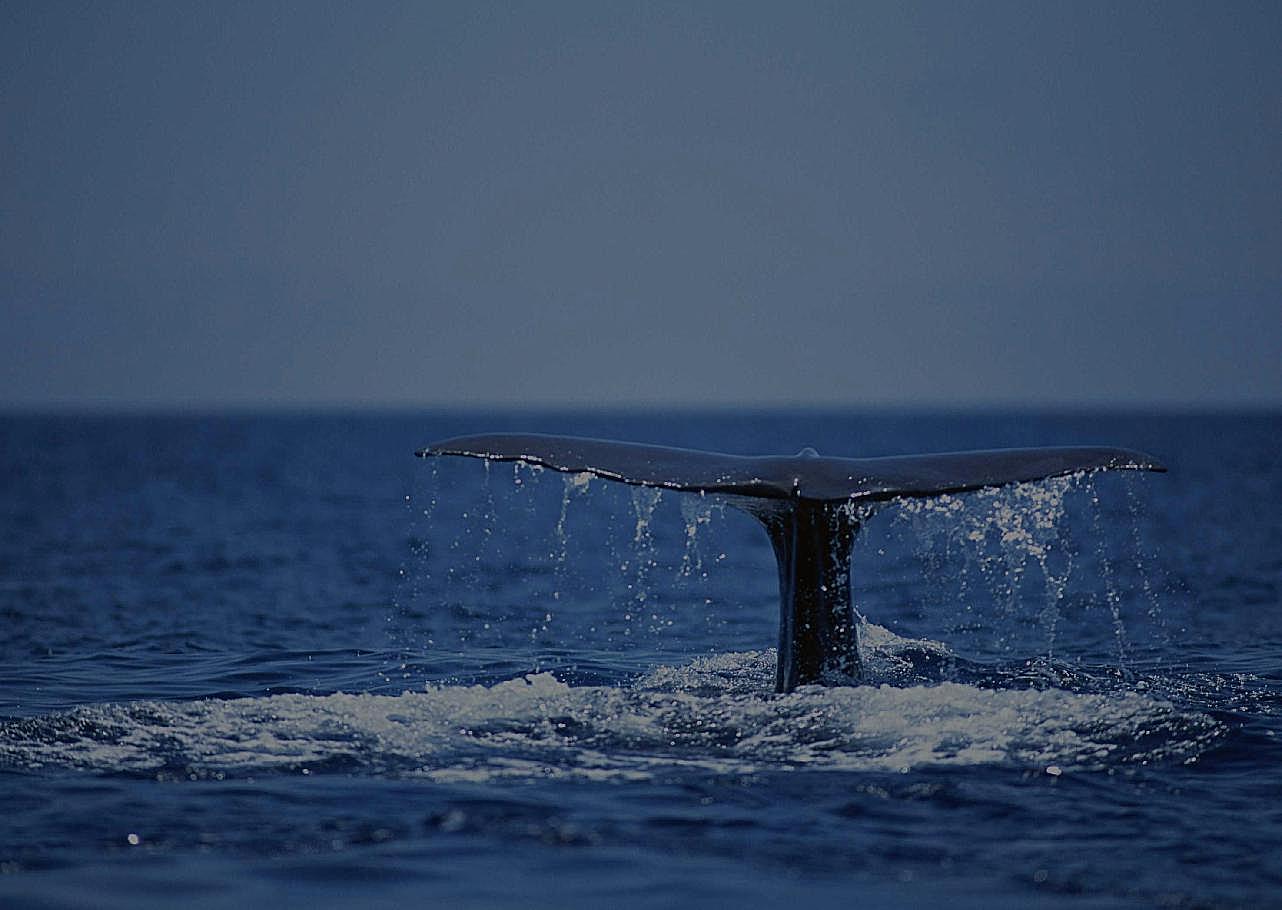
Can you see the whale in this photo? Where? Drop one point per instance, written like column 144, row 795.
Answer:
column 810, row 505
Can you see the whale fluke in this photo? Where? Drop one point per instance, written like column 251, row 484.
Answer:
column 805, row 503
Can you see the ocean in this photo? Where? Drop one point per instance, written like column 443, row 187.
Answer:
column 277, row 660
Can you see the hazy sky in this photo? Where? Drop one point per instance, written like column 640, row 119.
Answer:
column 566, row 203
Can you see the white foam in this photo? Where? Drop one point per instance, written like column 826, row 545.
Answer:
column 717, row 713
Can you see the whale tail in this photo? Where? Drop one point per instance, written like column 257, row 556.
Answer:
column 807, row 504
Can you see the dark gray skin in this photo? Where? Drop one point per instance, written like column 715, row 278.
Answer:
column 808, row 504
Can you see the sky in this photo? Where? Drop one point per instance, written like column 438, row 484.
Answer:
column 640, row 204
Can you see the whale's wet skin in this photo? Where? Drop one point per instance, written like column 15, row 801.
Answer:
column 278, row 659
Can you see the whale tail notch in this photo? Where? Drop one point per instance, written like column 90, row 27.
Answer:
column 806, row 503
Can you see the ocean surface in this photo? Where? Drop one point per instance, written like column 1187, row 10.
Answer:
column 279, row 661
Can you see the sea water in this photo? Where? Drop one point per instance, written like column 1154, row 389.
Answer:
column 277, row 659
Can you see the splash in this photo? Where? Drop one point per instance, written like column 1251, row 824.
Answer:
column 1001, row 531
column 644, row 501
column 697, row 513
column 1140, row 562
column 1112, row 597
column 574, row 485
column 715, row 713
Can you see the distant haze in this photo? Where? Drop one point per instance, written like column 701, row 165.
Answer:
column 207, row 204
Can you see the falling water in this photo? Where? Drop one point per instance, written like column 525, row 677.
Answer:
column 1013, row 538
column 1112, row 596
column 1000, row 531
column 575, row 485
column 644, row 502
column 1141, row 562
column 697, row 512
column 489, row 516
column 410, row 578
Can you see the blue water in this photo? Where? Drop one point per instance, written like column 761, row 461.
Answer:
column 278, row 660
